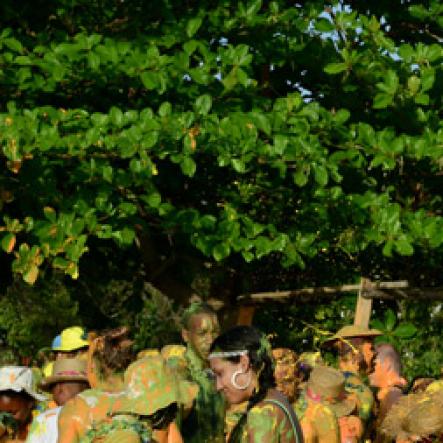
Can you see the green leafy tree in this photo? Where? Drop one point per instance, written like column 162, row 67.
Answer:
column 274, row 144
column 244, row 130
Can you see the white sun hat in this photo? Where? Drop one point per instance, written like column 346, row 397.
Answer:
column 18, row 379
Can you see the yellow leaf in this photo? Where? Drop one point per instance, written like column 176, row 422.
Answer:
column 31, row 276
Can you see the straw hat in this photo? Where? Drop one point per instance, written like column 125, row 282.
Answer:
column 353, row 331
column 328, row 384
column 67, row 369
column 70, row 340
column 18, row 379
column 151, row 385
column 415, row 415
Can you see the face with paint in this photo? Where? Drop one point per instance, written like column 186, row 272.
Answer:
column 367, row 349
column 229, row 376
column 201, row 331
column 18, row 404
column 64, row 391
column 351, row 429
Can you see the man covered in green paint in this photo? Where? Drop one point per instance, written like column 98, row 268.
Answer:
column 205, row 421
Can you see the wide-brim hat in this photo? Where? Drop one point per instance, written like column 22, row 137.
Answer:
column 150, row 385
column 415, row 415
column 353, row 331
column 18, row 379
column 328, row 385
column 71, row 339
column 65, row 370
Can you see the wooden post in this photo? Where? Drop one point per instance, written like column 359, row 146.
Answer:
column 245, row 315
column 364, row 305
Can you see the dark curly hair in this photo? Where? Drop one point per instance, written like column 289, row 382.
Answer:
column 259, row 353
column 116, row 352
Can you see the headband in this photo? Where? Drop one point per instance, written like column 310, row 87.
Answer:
column 227, row 354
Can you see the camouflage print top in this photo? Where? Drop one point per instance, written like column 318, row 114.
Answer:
column 89, row 417
column 317, row 420
column 205, row 422
column 268, row 423
column 355, row 385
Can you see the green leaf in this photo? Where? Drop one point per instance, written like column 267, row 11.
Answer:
column 116, row 116
column 190, row 46
column 301, row 177
column 193, row 26
column 221, row 251
column 60, row 263
column 335, row 68
column 427, row 79
column 50, row 214
column 419, row 11
column 208, row 222
column 261, row 121
column 405, row 330
column 165, row 109
column 125, row 237
column 154, row 200
column 403, row 246
column 414, row 84
column 127, row 208
column 248, row 256
column 254, row 7
column 238, row 165
column 377, row 324
column 324, row 25
column 31, row 274
column 8, row 242
column 382, row 100
column 203, row 104
column 94, row 60
column 280, row 143
column 13, row 44
column 341, row 116
column 188, row 166
column 422, row 99
column 390, row 83
column 390, row 319
column 149, row 80
column 107, row 173
column 320, row 174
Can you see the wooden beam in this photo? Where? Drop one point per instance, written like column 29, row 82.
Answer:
column 332, row 291
column 363, row 309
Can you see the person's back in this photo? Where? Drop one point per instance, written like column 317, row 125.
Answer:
column 44, row 428
column 268, row 422
column 87, row 416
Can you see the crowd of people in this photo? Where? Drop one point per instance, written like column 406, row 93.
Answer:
column 217, row 387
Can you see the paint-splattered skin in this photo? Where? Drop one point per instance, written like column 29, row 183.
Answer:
column 233, row 415
column 205, row 422
column 365, row 399
column 200, row 333
column 267, row 423
column 90, row 409
column 318, row 422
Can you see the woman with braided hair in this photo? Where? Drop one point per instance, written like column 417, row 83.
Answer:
column 241, row 360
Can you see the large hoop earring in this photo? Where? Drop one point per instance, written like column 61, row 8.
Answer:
column 234, row 381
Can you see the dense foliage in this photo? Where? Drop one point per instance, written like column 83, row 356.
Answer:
column 219, row 147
